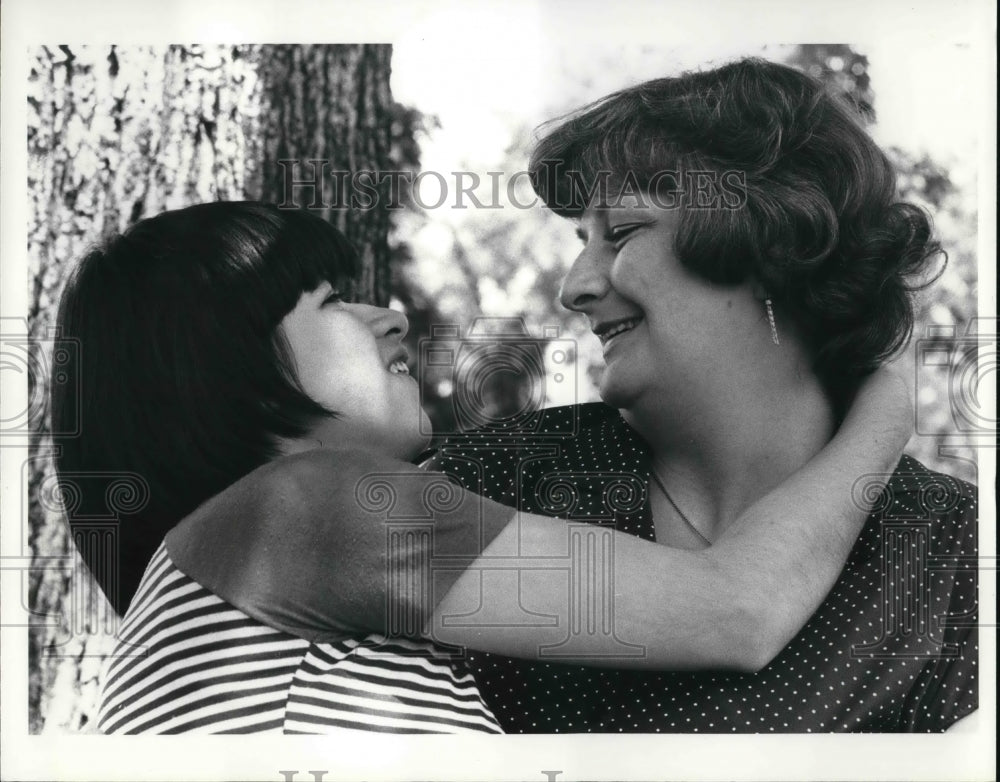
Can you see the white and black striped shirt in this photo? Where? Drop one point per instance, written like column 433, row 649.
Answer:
column 188, row 662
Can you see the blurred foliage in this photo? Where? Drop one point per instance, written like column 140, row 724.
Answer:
column 495, row 264
column 510, row 261
column 948, row 403
column 843, row 70
column 952, row 406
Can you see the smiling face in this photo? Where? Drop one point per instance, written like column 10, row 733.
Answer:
column 672, row 340
column 350, row 359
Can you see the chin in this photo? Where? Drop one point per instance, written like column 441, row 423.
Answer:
column 617, row 393
column 420, row 443
column 411, row 444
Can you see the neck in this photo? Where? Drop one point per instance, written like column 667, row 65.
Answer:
column 716, row 454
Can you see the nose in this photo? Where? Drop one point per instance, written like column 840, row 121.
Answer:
column 388, row 323
column 586, row 282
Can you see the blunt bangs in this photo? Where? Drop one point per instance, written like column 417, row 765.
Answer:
column 256, row 257
column 184, row 379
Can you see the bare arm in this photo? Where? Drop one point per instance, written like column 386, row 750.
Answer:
column 734, row 605
column 321, row 543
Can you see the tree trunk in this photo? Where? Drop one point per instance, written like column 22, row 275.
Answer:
column 117, row 134
column 329, row 113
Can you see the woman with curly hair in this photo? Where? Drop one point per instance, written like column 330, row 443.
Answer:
column 745, row 265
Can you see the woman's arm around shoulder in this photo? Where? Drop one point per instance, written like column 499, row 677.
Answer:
column 328, row 543
column 331, row 543
column 735, row 605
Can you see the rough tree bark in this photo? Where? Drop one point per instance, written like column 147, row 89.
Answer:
column 117, row 134
column 330, row 105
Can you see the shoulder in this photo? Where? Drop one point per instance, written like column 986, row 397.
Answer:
column 304, row 485
column 549, row 422
column 917, row 491
column 575, row 441
column 929, row 504
column 551, row 425
column 930, row 549
column 913, row 477
column 304, row 470
column 482, row 457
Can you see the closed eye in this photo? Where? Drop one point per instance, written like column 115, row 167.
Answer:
column 340, row 291
column 617, row 234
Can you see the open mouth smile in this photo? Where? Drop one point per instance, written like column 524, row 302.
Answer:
column 397, row 364
column 608, row 331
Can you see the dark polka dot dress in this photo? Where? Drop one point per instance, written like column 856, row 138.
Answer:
column 893, row 648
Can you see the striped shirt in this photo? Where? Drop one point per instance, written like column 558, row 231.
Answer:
column 188, row 662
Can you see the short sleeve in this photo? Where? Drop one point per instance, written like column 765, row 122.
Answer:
column 328, row 544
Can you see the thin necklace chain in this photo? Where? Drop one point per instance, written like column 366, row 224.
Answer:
column 680, row 513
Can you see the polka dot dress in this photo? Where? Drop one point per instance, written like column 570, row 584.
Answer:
column 893, row 647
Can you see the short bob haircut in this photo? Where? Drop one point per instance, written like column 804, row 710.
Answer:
column 810, row 213
column 184, row 378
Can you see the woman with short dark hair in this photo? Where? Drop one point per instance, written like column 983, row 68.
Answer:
column 185, row 379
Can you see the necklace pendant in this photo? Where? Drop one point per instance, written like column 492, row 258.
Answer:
column 677, row 510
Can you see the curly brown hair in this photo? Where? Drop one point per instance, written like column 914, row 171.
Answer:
column 804, row 201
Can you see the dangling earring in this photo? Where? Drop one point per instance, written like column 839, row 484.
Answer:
column 770, row 320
